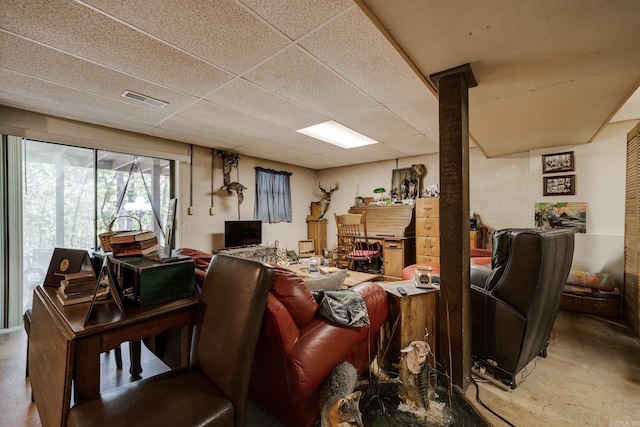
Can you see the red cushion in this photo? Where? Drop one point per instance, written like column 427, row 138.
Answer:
column 294, row 294
column 361, row 253
column 480, row 252
column 481, row 260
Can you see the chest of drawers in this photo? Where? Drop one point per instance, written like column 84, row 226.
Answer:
column 428, row 231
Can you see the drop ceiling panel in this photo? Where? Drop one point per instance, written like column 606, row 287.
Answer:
column 377, row 152
column 57, row 110
column 379, row 123
column 300, row 78
column 356, row 50
column 290, row 138
column 79, row 30
column 297, row 17
column 421, row 111
column 73, row 72
column 246, row 97
column 415, row 145
column 190, row 138
column 53, row 94
column 224, row 118
column 249, row 72
column 225, row 27
column 326, row 161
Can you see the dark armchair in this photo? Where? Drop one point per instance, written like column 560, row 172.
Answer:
column 213, row 390
column 515, row 301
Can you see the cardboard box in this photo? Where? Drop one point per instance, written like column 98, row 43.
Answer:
column 151, row 282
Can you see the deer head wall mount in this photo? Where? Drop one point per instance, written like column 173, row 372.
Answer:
column 319, row 208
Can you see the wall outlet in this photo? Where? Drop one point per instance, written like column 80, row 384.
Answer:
column 190, row 210
column 211, row 211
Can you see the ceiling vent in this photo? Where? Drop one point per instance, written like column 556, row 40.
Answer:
column 145, row 99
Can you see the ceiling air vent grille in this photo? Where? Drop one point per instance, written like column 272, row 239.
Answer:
column 145, row 99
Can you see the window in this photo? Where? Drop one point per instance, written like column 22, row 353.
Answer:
column 70, row 195
column 133, row 192
column 273, row 196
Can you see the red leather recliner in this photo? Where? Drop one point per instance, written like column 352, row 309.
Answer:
column 298, row 348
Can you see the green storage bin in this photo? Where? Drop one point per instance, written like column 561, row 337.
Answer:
column 151, row 282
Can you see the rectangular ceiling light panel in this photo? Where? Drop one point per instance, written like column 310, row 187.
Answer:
column 337, row 134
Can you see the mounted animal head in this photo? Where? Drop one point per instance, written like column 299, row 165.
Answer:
column 319, row 208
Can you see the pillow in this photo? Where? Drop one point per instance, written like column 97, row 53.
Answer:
column 292, row 292
column 328, row 282
column 601, row 281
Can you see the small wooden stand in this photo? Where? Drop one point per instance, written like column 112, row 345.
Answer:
column 409, row 318
column 317, row 230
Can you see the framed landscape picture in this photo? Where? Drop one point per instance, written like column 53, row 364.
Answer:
column 558, row 162
column 561, row 215
column 563, row 185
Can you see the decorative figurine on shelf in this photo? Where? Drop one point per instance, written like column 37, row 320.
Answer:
column 319, row 208
column 432, row 191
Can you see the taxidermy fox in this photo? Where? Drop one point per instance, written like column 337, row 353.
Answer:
column 338, row 402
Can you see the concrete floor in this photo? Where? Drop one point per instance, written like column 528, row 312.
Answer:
column 590, row 378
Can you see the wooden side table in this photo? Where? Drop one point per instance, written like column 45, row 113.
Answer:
column 409, row 318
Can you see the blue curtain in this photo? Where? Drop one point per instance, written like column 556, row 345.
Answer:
column 273, row 196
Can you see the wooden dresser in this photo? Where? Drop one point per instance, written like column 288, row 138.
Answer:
column 428, row 231
column 394, row 227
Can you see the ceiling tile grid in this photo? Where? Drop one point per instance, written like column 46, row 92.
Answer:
column 73, row 72
column 297, row 76
column 296, row 18
column 215, row 31
column 75, row 29
column 245, row 74
column 248, row 98
column 357, row 51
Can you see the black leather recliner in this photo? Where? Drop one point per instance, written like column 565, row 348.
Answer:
column 515, row 302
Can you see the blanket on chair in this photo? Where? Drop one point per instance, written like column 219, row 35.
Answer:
column 344, row 307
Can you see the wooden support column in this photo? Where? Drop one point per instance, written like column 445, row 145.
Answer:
column 454, row 330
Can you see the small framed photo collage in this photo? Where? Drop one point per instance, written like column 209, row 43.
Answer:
column 558, row 185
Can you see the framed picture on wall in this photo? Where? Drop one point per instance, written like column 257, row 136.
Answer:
column 561, row 185
column 558, row 162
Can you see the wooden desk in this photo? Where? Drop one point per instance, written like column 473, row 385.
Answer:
column 394, row 227
column 62, row 349
column 412, row 315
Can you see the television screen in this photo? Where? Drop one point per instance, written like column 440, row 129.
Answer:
column 242, row 233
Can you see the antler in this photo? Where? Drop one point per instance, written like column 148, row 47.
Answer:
column 331, row 190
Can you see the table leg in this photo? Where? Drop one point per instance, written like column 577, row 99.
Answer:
column 86, row 384
column 185, row 345
column 135, row 351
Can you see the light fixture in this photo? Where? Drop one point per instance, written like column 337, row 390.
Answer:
column 144, row 98
column 337, row 134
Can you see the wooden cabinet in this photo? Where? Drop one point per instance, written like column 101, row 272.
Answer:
column 476, row 238
column 396, row 255
column 317, row 231
column 408, row 319
column 428, row 231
